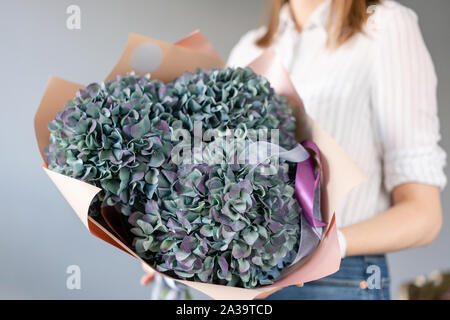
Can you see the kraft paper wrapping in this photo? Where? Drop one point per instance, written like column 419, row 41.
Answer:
column 340, row 174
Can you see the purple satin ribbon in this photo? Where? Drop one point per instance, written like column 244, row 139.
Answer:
column 306, row 183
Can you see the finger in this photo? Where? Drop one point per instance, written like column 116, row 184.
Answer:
column 148, row 278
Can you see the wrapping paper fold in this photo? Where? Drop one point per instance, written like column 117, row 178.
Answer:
column 167, row 61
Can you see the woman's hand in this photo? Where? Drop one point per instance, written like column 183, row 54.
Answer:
column 149, row 275
column 414, row 220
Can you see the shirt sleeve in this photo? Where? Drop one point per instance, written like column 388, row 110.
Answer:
column 405, row 103
column 246, row 50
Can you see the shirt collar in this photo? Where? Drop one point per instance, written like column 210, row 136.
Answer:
column 319, row 17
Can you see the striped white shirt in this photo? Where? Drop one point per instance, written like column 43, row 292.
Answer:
column 375, row 95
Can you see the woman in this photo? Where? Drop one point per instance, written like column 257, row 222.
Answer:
column 366, row 77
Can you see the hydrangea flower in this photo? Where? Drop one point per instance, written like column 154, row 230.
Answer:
column 225, row 223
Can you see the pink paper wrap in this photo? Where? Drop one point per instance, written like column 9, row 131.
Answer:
column 339, row 174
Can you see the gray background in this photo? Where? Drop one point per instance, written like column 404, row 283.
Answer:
column 39, row 234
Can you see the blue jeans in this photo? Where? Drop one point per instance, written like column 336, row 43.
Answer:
column 359, row 278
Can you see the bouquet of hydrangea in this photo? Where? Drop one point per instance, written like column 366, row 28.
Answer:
column 178, row 162
column 227, row 223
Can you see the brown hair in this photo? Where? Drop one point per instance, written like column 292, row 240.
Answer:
column 347, row 18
